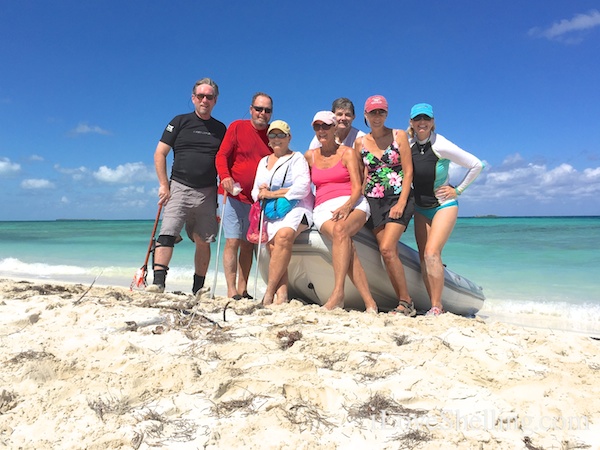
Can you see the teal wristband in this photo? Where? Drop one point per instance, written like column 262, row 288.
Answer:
column 457, row 191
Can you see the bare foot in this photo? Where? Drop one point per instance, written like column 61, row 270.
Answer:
column 266, row 301
column 282, row 295
column 335, row 301
column 371, row 306
column 281, row 300
column 372, row 310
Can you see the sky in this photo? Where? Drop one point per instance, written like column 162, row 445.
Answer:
column 87, row 87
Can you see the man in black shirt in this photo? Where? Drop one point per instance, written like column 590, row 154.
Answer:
column 190, row 196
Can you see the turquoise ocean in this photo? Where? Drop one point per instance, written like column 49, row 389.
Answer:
column 534, row 270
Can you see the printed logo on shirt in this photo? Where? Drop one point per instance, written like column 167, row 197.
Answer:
column 203, row 132
column 170, row 128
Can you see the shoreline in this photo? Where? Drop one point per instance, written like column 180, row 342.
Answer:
column 113, row 368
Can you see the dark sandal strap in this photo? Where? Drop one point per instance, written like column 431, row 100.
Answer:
column 408, row 308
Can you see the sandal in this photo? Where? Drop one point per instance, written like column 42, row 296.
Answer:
column 435, row 311
column 408, row 309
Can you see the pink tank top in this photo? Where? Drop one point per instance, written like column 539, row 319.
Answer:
column 330, row 183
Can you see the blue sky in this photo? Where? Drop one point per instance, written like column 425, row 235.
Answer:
column 86, row 89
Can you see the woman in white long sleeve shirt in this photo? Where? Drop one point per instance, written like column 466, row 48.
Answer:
column 283, row 174
column 436, row 204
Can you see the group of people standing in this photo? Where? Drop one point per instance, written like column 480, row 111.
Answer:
column 379, row 180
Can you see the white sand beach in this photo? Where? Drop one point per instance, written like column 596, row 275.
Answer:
column 113, row 369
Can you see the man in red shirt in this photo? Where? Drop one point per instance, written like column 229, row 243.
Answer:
column 244, row 144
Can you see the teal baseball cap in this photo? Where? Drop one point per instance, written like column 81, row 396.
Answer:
column 421, row 108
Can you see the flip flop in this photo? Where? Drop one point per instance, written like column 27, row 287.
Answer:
column 408, row 309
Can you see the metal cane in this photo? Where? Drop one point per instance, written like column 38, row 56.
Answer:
column 214, row 286
column 260, row 232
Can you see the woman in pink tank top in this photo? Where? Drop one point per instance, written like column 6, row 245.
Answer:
column 340, row 208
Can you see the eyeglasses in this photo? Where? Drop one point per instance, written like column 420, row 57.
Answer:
column 322, row 126
column 422, row 117
column 260, row 109
column 377, row 112
column 209, row 97
column 277, row 135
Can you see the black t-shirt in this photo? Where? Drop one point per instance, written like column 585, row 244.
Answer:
column 425, row 166
column 195, row 143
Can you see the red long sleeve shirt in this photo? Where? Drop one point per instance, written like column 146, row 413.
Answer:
column 242, row 148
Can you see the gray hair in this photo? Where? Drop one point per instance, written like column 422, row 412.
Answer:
column 343, row 103
column 261, row 94
column 208, row 81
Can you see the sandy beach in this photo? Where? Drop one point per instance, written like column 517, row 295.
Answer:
column 107, row 368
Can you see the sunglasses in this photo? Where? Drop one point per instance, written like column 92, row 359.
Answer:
column 322, row 126
column 277, row 135
column 422, row 117
column 260, row 109
column 201, row 97
column 377, row 112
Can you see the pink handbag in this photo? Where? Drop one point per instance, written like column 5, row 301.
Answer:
column 254, row 217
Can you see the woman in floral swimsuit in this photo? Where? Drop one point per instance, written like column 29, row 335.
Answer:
column 388, row 175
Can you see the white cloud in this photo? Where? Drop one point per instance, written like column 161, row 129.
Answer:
column 592, row 174
column 130, row 190
column 64, row 200
column 7, row 167
column 133, row 197
column 77, row 173
column 561, row 175
column 569, row 31
column 36, row 158
column 125, row 173
column 534, row 183
column 84, row 128
column 512, row 160
column 37, row 183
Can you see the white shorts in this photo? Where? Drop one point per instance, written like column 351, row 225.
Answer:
column 324, row 211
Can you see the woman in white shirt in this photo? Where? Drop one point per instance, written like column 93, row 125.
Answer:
column 283, row 176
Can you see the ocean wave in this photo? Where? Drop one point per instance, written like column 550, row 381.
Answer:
column 180, row 278
column 583, row 317
column 581, row 311
column 14, row 267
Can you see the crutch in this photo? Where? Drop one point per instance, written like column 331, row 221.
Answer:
column 214, row 285
column 139, row 279
column 260, row 232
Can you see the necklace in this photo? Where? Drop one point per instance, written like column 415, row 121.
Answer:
column 423, row 144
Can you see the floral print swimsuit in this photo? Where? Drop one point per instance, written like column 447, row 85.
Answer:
column 385, row 175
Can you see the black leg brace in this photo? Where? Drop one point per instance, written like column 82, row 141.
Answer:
column 160, row 275
column 198, row 283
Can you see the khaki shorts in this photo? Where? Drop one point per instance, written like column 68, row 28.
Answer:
column 196, row 208
column 235, row 219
